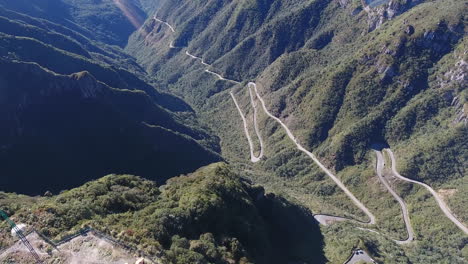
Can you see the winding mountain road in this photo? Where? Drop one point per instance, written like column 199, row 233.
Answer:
column 197, row 58
column 288, row 132
column 221, row 77
column 440, row 202
column 191, row 56
column 257, row 130
column 379, row 168
column 253, row 158
column 246, row 130
column 164, row 22
column 208, row 71
column 324, row 219
column 312, row 156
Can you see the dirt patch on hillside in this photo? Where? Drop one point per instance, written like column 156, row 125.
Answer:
column 446, row 193
column 83, row 249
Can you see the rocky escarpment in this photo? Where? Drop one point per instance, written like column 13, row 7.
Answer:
column 379, row 14
column 436, row 42
column 462, row 111
column 83, row 85
column 457, row 76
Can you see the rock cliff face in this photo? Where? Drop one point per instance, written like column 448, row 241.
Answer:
column 387, row 10
column 456, row 76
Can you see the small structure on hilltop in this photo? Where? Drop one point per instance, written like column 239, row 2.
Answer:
column 19, row 228
column 17, row 231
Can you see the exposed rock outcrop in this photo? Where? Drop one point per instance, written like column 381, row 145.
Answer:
column 379, row 14
column 456, row 76
column 439, row 40
column 461, row 115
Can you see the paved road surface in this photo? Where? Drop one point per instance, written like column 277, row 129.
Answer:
column 329, row 219
column 253, row 158
column 211, row 72
column 321, row 218
column 164, row 22
column 246, row 130
column 171, row 45
column 379, row 168
column 257, row 130
column 190, row 55
column 312, row 156
column 292, row 137
column 439, row 200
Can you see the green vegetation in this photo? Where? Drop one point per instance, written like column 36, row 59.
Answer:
column 345, row 92
column 99, row 20
column 209, row 216
column 74, row 125
column 341, row 76
column 341, row 85
column 73, row 106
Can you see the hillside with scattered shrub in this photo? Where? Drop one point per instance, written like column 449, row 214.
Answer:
column 343, row 76
column 130, row 87
column 209, row 216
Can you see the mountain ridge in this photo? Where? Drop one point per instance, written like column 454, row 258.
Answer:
column 337, row 79
column 347, row 89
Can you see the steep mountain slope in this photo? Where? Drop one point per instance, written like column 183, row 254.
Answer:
column 209, row 216
column 334, row 80
column 324, row 59
column 77, row 126
column 77, row 107
column 108, row 21
column 342, row 76
column 63, row 38
column 364, row 91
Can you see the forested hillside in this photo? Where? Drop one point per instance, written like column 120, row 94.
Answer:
column 348, row 113
column 344, row 76
column 74, row 109
column 102, row 20
column 209, row 216
column 323, row 64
